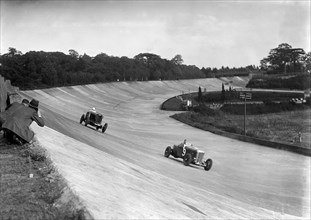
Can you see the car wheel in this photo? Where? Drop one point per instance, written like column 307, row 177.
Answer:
column 208, row 164
column 82, row 119
column 187, row 159
column 168, row 151
column 104, row 127
column 97, row 127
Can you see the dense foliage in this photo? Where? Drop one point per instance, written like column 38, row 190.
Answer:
column 39, row 69
column 301, row 81
column 284, row 59
column 227, row 72
column 265, row 108
column 232, row 98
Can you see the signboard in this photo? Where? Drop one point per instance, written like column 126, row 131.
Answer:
column 245, row 95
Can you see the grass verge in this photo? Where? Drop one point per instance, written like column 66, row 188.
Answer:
column 31, row 187
column 282, row 126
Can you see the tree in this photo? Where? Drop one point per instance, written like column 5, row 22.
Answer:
column 307, row 62
column 297, row 58
column 200, row 94
column 153, row 62
column 283, row 58
column 177, row 60
column 49, row 74
column 223, row 92
column 73, row 53
column 156, row 75
column 147, row 58
column 13, row 52
column 84, row 62
column 214, row 70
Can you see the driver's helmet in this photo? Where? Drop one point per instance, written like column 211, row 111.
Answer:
column 93, row 109
column 188, row 145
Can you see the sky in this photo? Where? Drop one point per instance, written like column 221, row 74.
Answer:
column 205, row 33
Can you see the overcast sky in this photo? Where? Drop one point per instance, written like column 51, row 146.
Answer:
column 205, row 33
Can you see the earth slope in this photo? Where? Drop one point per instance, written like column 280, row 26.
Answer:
column 123, row 173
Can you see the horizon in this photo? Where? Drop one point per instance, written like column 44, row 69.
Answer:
column 205, row 33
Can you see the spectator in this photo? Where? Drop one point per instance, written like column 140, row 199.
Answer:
column 11, row 108
column 16, row 125
column 25, row 102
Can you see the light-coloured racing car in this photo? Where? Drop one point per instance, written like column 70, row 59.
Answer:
column 189, row 154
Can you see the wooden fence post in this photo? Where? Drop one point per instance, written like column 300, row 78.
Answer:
column 6, row 89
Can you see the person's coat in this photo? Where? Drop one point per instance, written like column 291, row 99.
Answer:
column 9, row 111
column 20, row 120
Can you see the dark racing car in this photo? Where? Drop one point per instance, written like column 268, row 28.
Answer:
column 189, row 154
column 94, row 119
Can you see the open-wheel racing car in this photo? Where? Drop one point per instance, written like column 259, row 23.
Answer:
column 94, row 119
column 189, row 154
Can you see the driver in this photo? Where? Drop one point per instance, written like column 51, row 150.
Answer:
column 93, row 110
column 182, row 144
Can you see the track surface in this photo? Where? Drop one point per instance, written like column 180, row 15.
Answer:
column 246, row 180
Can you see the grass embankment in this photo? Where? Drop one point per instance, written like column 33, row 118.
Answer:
column 31, row 187
column 283, row 126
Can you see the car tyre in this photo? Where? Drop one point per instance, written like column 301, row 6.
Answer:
column 187, row 159
column 168, row 151
column 104, row 128
column 82, row 119
column 208, row 164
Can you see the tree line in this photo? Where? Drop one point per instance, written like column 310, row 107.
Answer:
column 39, row 69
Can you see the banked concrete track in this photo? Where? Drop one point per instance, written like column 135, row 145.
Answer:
column 122, row 174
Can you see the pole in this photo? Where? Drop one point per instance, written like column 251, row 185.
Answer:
column 245, row 115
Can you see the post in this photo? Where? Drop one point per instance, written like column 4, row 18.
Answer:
column 244, row 95
column 245, row 115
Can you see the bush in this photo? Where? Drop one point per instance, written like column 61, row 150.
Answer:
column 212, row 97
column 36, row 153
column 266, row 108
column 301, row 81
column 204, row 110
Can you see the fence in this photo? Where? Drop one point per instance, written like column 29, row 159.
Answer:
column 8, row 93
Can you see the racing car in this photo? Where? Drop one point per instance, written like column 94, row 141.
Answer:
column 189, row 154
column 94, row 119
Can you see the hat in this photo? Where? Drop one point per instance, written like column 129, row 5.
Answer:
column 34, row 103
column 25, row 101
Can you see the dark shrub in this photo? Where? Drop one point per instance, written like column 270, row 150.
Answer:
column 204, row 110
column 300, row 81
column 267, row 101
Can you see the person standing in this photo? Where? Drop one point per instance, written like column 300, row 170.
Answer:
column 17, row 124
